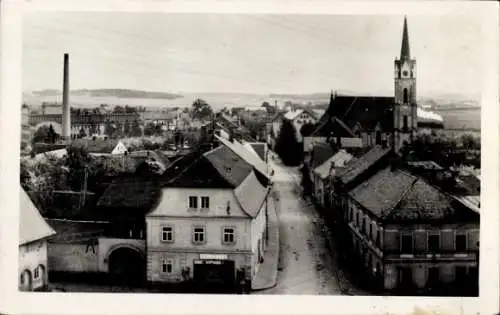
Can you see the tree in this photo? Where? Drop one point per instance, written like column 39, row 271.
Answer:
column 136, row 129
column 82, row 133
column 126, row 128
column 77, row 162
column 287, row 147
column 269, row 109
column 307, row 129
column 201, row 110
column 118, row 109
column 109, row 130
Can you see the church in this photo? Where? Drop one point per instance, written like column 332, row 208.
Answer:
column 376, row 120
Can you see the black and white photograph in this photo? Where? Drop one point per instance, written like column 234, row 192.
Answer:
column 251, row 153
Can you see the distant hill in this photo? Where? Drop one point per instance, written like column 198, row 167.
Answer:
column 119, row 93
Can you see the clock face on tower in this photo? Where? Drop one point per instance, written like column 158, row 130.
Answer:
column 405, row 73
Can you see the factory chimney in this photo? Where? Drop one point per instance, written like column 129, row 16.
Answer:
column 66, row 119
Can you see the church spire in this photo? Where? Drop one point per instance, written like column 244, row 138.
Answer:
column 405, row 44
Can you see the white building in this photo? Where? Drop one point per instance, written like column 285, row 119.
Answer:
column 210, row 224
column 33, row 232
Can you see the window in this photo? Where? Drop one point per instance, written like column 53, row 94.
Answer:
column 378, row 137
column 167, row 265
column 36, row 273
column 405, row 122
column 370, row 230
column 433, row 243
column 193, row 202
column 357, row 219
column 406, row 244
column 379, row 239
column 405, row 96
column 199, row 235
column 228, row 236
column 460, row 243
column 167, row 234
column 363, row 226
column 205, row 202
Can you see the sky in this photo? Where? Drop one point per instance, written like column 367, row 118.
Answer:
column 249, row 53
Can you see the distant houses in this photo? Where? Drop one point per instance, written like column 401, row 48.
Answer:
column 100, row 146
column 33, row 234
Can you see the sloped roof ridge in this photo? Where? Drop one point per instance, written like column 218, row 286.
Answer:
column 403, row 195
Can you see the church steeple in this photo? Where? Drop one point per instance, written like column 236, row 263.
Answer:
column 405, row 44
column 405, row 95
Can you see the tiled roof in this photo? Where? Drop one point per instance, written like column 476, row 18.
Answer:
column 359, row 165
column 232, row 167
column 97, row 145
column 383, row 191
column 201, row 174
column 320, row 153
column 365, row 110
column 251, row 195
column 339, row 160
column 393, row 195
column 32, row 226
column 246, row 155
column 334, row 127
column 260, row 149
column 75, row 232
column 422, row 202
column 131, row 193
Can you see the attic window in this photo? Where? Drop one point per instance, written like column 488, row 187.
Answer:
column 227, row 169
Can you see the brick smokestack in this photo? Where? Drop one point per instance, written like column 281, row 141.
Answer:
column 66, row 119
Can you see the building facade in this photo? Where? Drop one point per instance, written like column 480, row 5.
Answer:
column 405, row 234
column 209, row 226
column 34, row 231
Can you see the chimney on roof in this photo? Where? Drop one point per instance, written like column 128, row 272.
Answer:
column 66, row 119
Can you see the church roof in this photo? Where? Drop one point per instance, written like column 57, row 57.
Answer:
column 405, row 44
column 365, row 111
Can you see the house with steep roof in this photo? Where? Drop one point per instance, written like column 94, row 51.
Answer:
column 209, row 224
column 300, row 117
column 322, row 175
column 33, row 234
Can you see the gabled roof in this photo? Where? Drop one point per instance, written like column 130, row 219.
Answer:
column 251, row 195
column 320, row 153
column 97, row 145
column 232, row 167
column 394, row 196
column 334, row 127
column 131, row 192
column 365, row 110
column 339, row 160
column 383, row 191
column 75, row 232
column 32, row 225
column 246, row 155
column 358, row 166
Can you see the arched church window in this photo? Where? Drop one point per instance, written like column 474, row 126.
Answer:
column 405, row 122
column 378, row 137
column 405, row 96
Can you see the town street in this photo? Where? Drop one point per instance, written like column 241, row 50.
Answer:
column 307, row 264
